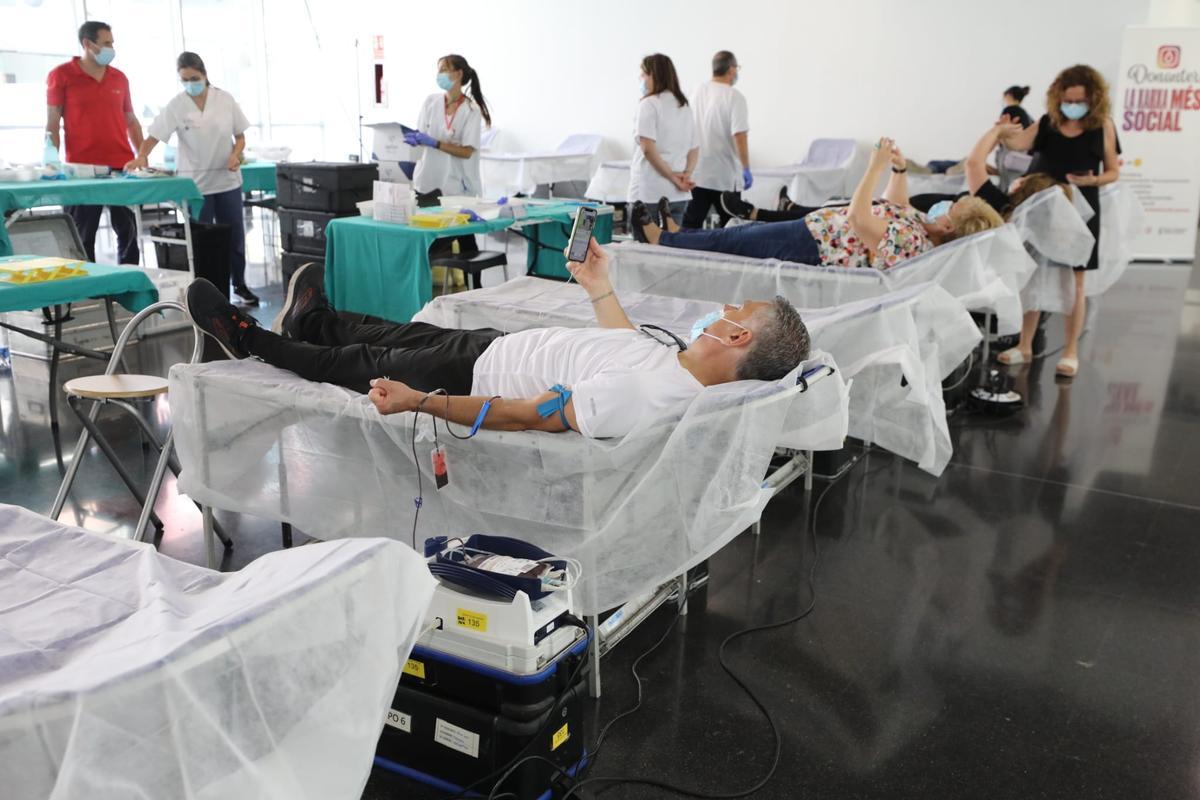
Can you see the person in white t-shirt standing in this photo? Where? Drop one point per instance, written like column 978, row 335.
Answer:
column 449, row 128
column 604, row 381
column 212, row 135
column 665, row 145
column 723, row 122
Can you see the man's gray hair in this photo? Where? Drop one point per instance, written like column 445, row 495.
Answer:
column 780, row 343
column 723, row 61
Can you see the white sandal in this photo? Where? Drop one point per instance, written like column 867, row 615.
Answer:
column 1067, row 367
column 1012, row 357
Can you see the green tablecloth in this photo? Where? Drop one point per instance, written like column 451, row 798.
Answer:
column 119, row 191
column 382, row 269
column 552, row 263
column 129, row 286
column 258, row 176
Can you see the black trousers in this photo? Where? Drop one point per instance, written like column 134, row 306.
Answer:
column 87, row 221
column 697, row 208
column 335, row 349
column 793, row 213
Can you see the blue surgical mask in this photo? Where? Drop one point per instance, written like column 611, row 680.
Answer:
column 194, row 88
column 1073, row 110
column 105, row 56
column 643, row 87
column 444, row 81
column 700, row 326
column 939, row 209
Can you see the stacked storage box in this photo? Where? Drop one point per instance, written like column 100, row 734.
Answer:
column 311, row 193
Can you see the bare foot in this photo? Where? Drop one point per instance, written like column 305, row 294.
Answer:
column 652, row 232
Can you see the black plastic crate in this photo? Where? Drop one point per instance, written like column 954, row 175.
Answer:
column 211, row 245
column 463, row 722
column 303, row 231
column 294, row 261
column 333, row 187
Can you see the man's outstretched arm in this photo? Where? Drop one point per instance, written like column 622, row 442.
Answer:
column 592, row 275
column 394, row 397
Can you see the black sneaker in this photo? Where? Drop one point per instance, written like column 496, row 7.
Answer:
column 213, row 314
column 306, row 291
column 733, row 205
column 785, row 202
column 247, row 297
column 639, row 217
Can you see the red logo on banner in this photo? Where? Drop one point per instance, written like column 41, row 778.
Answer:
column 1169, row 56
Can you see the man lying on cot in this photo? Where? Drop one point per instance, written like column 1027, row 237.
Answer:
column 862, row 234
column 601, row 382
column 934, row 204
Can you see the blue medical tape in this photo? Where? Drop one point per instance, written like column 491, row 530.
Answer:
column 483, row 412
column 556, row 403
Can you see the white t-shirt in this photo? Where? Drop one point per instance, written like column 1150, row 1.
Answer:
column 619, row 377
column 720, row 113
column 205, row 138
column 671, row 126
column 438, row 170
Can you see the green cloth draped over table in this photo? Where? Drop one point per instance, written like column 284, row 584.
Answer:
column 129, row 286
column 118, row 191
column 382, row 268
column 258, row 176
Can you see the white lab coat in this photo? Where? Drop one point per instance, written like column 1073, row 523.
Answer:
column 670, row 125
column 205, row 138
column 720, row 113
column 438, row 170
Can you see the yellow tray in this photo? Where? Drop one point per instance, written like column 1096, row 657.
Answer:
column 443, row 219
column 40, row 270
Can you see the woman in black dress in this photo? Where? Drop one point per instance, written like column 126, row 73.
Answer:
column 1075, row 141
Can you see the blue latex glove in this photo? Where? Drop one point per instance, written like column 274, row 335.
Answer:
column 472, row 216
column 747, row 178
column 420, row 139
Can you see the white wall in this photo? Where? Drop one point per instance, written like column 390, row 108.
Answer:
column 929, row 73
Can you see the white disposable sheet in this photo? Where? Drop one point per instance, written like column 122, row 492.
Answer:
column 634, row 511
column 935, row 183
column 1052, row 287
column 827, row 169
column 505, row 174
column 126, row 674
column 914, row 336
column 609, row 183
column 985, row 272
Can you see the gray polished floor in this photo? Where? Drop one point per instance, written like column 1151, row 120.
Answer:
column 1028, row 625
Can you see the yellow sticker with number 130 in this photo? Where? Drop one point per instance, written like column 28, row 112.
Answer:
column 471, row 620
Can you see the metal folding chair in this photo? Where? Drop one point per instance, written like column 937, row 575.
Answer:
column 118, row 390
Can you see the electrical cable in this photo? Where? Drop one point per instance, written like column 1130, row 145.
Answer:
column 721, row 653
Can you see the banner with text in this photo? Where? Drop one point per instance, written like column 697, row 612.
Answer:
column 1158, row 122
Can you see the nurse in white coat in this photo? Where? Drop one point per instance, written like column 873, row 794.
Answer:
column 448, row 132
column 665, row 143
column 723, row 125
column 212, row 134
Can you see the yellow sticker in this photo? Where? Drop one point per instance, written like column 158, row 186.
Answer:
column 472, row 620
column 414, row 668
column 560, row 736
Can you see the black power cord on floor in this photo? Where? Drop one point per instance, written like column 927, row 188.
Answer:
column 721, row 653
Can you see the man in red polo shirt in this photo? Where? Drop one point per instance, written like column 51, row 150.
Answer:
column 91, row 100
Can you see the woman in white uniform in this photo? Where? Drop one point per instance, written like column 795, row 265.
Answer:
column 212, row 134
column 665, row 142
column 448, row 131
